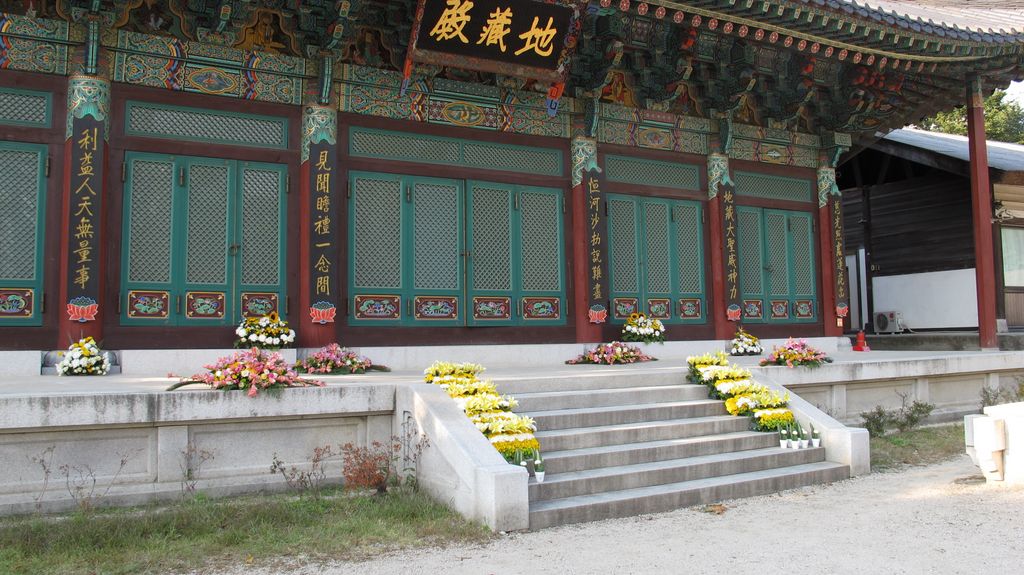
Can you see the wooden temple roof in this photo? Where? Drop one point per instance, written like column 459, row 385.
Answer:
column 815, row 66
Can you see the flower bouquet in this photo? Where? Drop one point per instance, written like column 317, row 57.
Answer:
column 252, row 369
column 640, row 328
column 725, row 376
column 334, row 359
column 84, row 357
column 267, row 332
column 699, row 362
column 774, row 419
column 794, row 353
column 511, row 435
column 745, row 344
column 610, row 354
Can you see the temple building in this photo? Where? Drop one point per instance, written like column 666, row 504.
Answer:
column 459, row 171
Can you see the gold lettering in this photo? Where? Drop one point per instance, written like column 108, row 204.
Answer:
column 323, row 285
column 82, row 276
column 84, row 207
column 497, row 28
column 595, row 273
column 323, row 265
column 596, row 291
column 88, row 140
column 538, row 39
column 323, row 225
column 594, row 220
column 452, row 21
column 323, row 182
column 83, row 252
column 321, row 163
column 595, row 204
column 595, row 256
column 595, row 240
column 323, row 203
column 85, row 186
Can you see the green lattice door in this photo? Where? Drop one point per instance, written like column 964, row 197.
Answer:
column 777, row 271
column 23, row 196
column 411, row 239
column 204, row 240
column 656, row 254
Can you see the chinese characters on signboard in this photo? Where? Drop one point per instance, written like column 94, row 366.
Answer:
column 842, row 297
column 86, row 182
column 323, row 241
column 522, row 33
column 732, row 265
column 597, row 262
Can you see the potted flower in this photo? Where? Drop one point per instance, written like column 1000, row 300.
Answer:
column 538, row 467
column 804, row 438
column 783, row 438
column 815, row 437
column 794, row 436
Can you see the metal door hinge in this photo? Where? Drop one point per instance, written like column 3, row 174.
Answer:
column 345, row 309
column 287, row 183
column 515, row 201
column 44, row 303
column 47, row 168
column 181, row 176
column 118, row 304
column 124, row 170
column 287, row 304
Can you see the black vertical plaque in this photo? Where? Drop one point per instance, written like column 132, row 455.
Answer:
column 85, row 211
column 323, row 242
column 596, row 226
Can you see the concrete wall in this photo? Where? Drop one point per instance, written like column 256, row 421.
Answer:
column 931, row 300
column 952, row 383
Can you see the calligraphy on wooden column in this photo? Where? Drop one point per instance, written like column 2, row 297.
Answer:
column 323, row 244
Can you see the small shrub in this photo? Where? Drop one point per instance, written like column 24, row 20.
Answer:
column 306, row 482
column 907, row 417
column 1002, row 394
column 370, row 467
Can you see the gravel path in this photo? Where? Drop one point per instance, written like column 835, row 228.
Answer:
column 935, row 519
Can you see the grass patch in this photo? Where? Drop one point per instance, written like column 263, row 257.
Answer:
column 917, row 447
column 209, row 532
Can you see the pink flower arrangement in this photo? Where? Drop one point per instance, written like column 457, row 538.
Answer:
column 794, row 353
column 611, row 353
column 334, row 359
column 252, row 369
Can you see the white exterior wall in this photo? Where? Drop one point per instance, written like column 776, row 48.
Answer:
column 930, row 300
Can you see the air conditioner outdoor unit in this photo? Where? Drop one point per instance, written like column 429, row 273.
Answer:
column 889, row 322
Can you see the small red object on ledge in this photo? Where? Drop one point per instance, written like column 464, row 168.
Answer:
column 861, row 344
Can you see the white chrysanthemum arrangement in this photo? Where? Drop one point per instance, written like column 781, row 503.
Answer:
column 84, row 357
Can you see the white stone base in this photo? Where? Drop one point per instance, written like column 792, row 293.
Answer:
column 20, row 363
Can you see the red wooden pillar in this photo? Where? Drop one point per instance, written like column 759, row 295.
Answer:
column 826, row 258
column 724, row 266
column 320, row 292
column 584, row 158
column 981, row 210
column 83, row 267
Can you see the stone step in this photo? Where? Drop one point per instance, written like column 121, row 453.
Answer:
column 558, row 462
column 583, row 378
column 659, row 472
column 551, row 400
column 638, row 432
column 611, row 415
column 666, row 497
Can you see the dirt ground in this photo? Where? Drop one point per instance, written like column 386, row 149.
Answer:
column 935, row 519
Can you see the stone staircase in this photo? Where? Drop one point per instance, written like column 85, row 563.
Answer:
column 620, row 443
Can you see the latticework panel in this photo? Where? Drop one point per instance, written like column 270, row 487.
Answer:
column 377, row 233
column 772, row 187
column 523, row 160
column 19, row 194
column 25, row 108
column 205, row 261
column 206, row 126
column 150, row 221
column 803, row 256
column 435, row 236
column 689, row 248
column 261, row 228
column 659, row 276
column 492, row 261
column 409, row 147
column 623, row 252
column 778, row 271
column 751, row 264
column 540, row 238
column 651, row 173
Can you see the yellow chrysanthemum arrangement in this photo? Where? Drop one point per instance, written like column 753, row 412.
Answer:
column 698, row 362
column 512, row 435
column 773, row 419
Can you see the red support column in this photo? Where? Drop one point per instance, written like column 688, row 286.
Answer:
column 981, row 209
column 586, row 332
column 585, row 283
column 827, row 267
column 724, row 329
column 83, row 301
column 320, row 292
